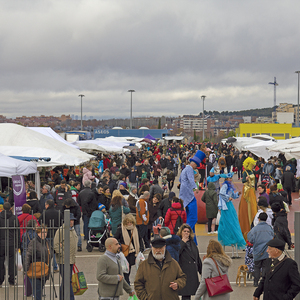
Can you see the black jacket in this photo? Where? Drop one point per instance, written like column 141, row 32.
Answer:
column 7, row 218
column 281, row 284
column 35, row 206
column 164, row 205
column 276, row 197
column 87, row 201
column 163, row 163
column 288, row 180
column 60, row 196
column 75, row 210
column 281, row 228
column 52, row 218
column 190, row 263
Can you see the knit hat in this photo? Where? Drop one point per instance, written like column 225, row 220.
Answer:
column 276, row 243
column 101, row 206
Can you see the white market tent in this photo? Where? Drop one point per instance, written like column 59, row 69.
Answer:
column 290, row 148
column 48, row 131
column 175, row 138
column 260, row 149
column 17, row 140
column 11, row 166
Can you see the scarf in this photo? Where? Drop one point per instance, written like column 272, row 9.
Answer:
column 135, row 238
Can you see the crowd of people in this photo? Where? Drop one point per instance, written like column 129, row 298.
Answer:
column 135, row 193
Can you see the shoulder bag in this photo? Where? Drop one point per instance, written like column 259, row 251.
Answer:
column 218, row 285
column 125, row 248
column 39, row 269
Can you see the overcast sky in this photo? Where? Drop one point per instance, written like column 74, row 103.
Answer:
column 170, row 51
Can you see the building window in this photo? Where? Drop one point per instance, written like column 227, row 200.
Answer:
column 243, row 134
column 266, row 134
column 278, row 134
column 248, row 134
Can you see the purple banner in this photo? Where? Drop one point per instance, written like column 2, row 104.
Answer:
column 19, row 193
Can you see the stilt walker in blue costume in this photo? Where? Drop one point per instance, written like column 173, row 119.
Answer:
column 215, row 179
column 229, row 230
column 187, row 187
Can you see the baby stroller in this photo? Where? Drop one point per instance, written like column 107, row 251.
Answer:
column 98, row 231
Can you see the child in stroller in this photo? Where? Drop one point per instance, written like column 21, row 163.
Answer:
column 98, row 229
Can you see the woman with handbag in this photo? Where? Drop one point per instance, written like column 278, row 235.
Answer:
column 189, row 261
column 215, row 263
column 37, row 263
column 127, row 235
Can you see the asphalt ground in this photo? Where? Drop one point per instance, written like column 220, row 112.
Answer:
column 87, row 262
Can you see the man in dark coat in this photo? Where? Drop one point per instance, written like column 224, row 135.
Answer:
column 288, row 182
column 164, row 205
column 281, row 279
column 88, row 202
column 61, row 194
column 7, row 219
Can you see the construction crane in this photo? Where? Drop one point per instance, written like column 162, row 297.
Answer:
column 275, row 84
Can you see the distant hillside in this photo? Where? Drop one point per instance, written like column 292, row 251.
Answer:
column 259, row 112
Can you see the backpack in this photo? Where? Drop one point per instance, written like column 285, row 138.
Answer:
column 222, row 162
column 178, row 223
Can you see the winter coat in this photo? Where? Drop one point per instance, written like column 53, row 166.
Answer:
column 153, row 208
column 281, row 284
column 13, row 234
column 164, row 205
column 209, row 270
column 142, row 208
column 35, row 205
column 87, row 201
column 155, row 189
column 222, row 162
column 115, row 214
column 288, row 180
column 156, row 169
column 44, row 198
column 172, row 215
column 281, row 228
column 23, row 220
column 60, row 196
column 87, row 175
column 173, row 245
column 191, row 265
column 75, row 210
column 152, row 283
column 210, row 198
column 132, row 202
column 59, row 240
column 259, row 236
column 52, row 218
column 276, row 197
column 38, row 251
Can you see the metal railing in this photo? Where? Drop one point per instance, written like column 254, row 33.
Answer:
column 27, row 248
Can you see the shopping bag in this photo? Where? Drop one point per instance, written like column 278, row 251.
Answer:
column 140, row 257
column 79, row 284
column 134, row 297
column 124, row 263
column 19, row 260
column 218, row 218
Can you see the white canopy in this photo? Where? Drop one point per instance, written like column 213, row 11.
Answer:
column 48, row 131
column 260, row 149
column 17, row 140
column 103, row 146
column 11, row 166
column 290, row 148
column 175, row 138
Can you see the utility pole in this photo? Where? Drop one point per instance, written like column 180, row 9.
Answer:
column 298, row 100
column 131, row 91
column 81, row 108
column 203, row 136
column 275, row 84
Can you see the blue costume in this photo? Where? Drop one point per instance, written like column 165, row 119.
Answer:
column 229, row 231
column 186, row 193
column 215, row 179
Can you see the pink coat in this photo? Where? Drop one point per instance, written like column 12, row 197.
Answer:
column 87, row 175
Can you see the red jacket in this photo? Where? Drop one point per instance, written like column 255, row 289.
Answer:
column 23, row 220
column 172, row 215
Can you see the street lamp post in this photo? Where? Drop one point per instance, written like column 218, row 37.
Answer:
column 203, row 98
column 275, row 84
column 131, row 91
column 298, row 100
column 81, row 95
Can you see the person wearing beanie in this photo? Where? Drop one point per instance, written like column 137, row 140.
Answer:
column 172, row 242
column 281, row 279
column 280, row 224
column 263, row 207
column 259, row 236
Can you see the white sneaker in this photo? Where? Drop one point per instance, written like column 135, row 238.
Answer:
column 296, row 199
column 216, row 232
column 210, row 232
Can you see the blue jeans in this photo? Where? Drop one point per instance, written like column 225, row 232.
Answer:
column 86, row 220
column 37, row 287
column 61, row 289
column 192, row 216
column 77, row 229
